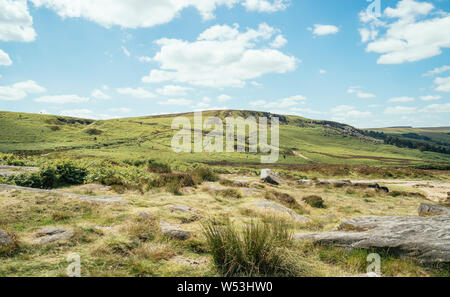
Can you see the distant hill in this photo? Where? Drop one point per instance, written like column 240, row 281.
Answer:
column 302, row 140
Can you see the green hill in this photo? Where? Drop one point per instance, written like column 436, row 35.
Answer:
column 302, row 141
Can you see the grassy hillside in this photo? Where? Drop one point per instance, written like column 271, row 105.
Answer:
column 302, row 141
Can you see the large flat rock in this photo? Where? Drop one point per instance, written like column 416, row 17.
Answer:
column 426, row 239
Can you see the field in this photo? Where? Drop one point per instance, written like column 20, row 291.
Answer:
column 131, row 206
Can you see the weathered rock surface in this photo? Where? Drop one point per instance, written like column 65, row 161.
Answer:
column 174, row 232
column 268, row 176
column 5, row 239
column 183, row 208
column 427, row 239
column 188, row 261
column 52, row 234
column 91, row 199
column 15, row 170
column 432, row 210
column 275, row 207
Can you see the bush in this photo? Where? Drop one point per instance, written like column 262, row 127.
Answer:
column 260, row 249
column 314, row 201
column 61, row 174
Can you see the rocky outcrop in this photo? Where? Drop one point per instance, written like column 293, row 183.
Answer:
column 432, row 210
column 270, row 177
column 174, row 232
column 5, row 239
column 426, row 239
column 183, row 208
column 278, row 208
column 52, row 234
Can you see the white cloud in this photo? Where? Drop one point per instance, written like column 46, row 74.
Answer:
column 320, row 30
column 256, row 84
column 98, row 94
column 220, row 57
column 360, row 94
column 171, row 90
column 16, row 23
column 84, row 113
column 176, row 102
column 4, row 59
column 437, row 108
column 120, row 109
column 345, row 111
column 443, row 84
column 30, row 87
column 401, row 99
column 204, row 104
column 430, row 97
column 281, row 103
column 20, row 90
column 368, row 34
column 265, row 5
column 8, row 93
column 412, row 33
column 400, row 110
column 136, row 93
column 278, row 42
column 62, row 99
column 437, row 70
column 322, row 71
column 145, row 59
column 131, row 14
column 223, row 98
column 125, row 51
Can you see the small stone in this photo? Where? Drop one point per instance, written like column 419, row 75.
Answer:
column 432, row 210
column 5, row 239
column 52, row 234
column 183, row 208
column 174, row 232
column 268, row 176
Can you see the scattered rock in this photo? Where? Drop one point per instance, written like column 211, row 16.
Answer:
column 183, row 208
column 144, row 215
column 273, row 206
column 432, row 210
column 174, row 232
column 52, row 234
column 371, row 186
column 306, row 182
column 336, row 183
column 5, row 239
column 427, row 239
column 268, row 176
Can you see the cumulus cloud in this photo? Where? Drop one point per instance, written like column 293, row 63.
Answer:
column 98, row 94
column 16, row 23
column 401, row 99
column 279, row 104
column 4, row 59
column 360, row 94
column 400, row 110
column 176, row 102
column 322, row 71
column 265, row 5
column 131, row 14
column 171, row 90
column 442, row 84
column 411, row 33
column 437, row 70
column 62, row 99
column 278, row 42
column 20, row 90
column 223, row 98
column 437, row 108
column 145, row 59
column 347, row 111
column 430, row 97
column 220, row 57
column 320, row 30
column 139, row 93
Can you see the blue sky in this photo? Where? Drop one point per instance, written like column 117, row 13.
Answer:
column 321, row 59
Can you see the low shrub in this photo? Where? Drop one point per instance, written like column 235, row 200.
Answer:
column 314, row 201
column 260, row 249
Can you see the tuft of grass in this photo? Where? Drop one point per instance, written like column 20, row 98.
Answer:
column 143, row 229
column 314, row 201
column 259, row 249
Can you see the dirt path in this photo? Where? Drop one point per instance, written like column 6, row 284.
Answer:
column 301, row 155
column 93, row 199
